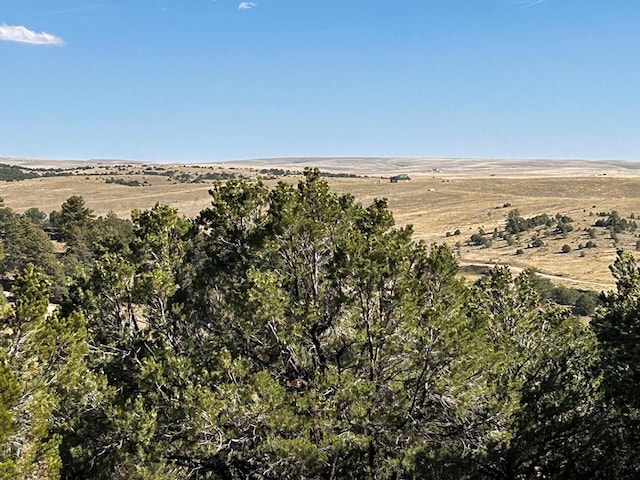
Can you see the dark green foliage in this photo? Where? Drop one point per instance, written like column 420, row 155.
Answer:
column 13, row 173
column 306, row 350
column 37, row 216
column 43, row 375
column 330, row 307
column 338, row 175
column 127, row 183
column 522, row 361
column 86, row 236
column 564, row 295
column 24, row 242
column 110, row 233
column 186, row 177
column 55, row 172
column 582, row 302
column 565, row 248
column 73, row 220
column 560, row 218
column 480, row 240
column 586, row 303
column 563, row 224
column 618, row 332
column 293, row 333
column 617, row 328
column 542, row 286
column 279, row 172
column 615, row 223
column 217, row 176
column 563, row 228
column 537, row 242
column 9, row 396
column 516, row 224
column 159, row 171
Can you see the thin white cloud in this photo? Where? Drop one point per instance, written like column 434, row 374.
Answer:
column 531, row 3
column 246, row 5
column 18, row 33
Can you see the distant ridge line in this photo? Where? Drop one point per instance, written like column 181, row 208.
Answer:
column 380, row 165
column 424, row 165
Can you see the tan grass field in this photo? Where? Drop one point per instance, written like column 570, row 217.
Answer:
column 443, row 196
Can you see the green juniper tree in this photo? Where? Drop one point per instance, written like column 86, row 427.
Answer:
column 294, row 333
column 617, row 327
column 43, row 373
column 527, row 384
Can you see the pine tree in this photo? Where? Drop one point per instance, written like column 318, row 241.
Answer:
column 43, row 370
column 617, row 327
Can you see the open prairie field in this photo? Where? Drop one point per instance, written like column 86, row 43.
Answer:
column 446, row 201
column 104, row 187
column 439, row 207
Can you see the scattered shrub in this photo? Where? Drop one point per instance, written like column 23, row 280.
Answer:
column 480, row 240
column 122, row 181
column 537, row 242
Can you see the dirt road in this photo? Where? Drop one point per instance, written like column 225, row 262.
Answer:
column 555, row 278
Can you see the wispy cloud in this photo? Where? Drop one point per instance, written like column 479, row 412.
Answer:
column 18, row 33
column 530, row 3
column 246, row 5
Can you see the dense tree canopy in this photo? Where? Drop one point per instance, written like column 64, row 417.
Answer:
column 295, row 333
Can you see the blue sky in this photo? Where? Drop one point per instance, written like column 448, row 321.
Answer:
column 204, row 80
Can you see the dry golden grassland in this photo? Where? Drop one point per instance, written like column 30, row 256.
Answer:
column 435, row 206
column 438, row 201
column 49, row 193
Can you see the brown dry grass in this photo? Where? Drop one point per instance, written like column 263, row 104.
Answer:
column 467, row 195
column 49, row 193
column 435, row 206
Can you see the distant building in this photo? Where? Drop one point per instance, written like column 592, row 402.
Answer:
column 400, row 178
